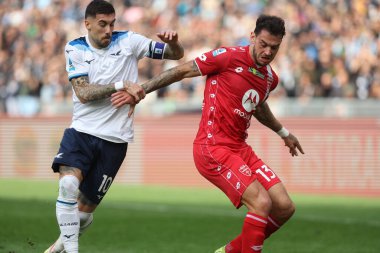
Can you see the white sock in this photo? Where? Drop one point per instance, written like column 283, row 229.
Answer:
column 67, row 212
column 85, row 222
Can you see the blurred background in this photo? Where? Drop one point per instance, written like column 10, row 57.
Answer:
column 329, row 95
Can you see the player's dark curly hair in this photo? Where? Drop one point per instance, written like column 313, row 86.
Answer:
column 98, row 7
column 273, row 24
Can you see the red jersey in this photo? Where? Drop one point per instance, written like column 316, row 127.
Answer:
column 235, row 85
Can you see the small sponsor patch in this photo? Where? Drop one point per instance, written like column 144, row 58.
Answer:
column 157, row 50
column 256, row 72
column 203, row 57
column 218, row 51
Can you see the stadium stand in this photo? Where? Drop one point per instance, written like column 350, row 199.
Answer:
column 331, row 50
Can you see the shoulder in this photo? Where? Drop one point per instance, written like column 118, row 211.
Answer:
column 126, row 35
column 228, row 52
column 272, row 72
column 272, row 77
column 79, row 44
column 238, row 49
column 120, row 35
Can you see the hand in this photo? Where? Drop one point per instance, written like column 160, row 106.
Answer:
column 121, row 98
column 169, row 37
column 135, row 90
column 292, row 143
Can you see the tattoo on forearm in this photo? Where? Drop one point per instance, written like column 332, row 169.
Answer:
column 265, row 116
column 86, row 92
column 174, row 52
column 170, row 76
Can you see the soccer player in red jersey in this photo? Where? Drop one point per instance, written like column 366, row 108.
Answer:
column 239, row 80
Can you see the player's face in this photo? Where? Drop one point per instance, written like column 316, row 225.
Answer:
column 100, row 29
column 264, row 47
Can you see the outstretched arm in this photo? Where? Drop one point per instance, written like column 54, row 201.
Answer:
column 89, row 92
column 174, row 49
column 186, row 70
column 265, row 116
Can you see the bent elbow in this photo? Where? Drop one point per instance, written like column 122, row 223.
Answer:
column 180, row 55
column 82, row 99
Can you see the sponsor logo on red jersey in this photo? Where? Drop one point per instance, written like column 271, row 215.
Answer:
column 256, row 72
column 218, row 51
column 250, row 100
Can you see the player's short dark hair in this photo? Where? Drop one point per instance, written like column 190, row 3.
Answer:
column 273, row 24
column 98, row 7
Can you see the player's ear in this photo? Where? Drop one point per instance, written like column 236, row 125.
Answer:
column 87, row 24
column 252, row 37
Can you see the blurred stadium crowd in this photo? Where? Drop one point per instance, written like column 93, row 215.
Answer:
column 332, row 47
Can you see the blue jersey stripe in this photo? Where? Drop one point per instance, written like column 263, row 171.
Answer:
column 119, row 35
column 80, row 43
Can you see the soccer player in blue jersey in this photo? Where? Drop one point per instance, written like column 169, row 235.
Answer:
column 93, row 148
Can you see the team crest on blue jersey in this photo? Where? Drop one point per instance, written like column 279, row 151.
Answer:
column 218, row 51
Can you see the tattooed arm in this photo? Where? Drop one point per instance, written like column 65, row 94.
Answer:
column 186, row 70
column 174, row 49
column 265, row 116
column 86, row 92
column 89, row 92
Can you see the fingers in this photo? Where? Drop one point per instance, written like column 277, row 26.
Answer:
column 299, row 148
column 131, row 110
column 168, row 36
column 293, row 151
column 121, row 98
column 117, row 99
column 292, row 143
column 135, row 90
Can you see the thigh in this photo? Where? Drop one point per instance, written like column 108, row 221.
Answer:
column 280, row 197
column 225, row 168
column 104, row 168
column 265, row 175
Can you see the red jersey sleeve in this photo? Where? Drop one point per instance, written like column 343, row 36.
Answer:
column 213, row 61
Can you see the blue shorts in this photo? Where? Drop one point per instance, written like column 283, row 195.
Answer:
column 98, row 159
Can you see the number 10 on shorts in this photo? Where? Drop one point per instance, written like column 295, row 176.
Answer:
column 106, row 183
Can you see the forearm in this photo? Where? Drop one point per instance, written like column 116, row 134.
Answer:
column 89, row 92
column 265, row 116
column 170, row 76
column 164, row 79
column 174, row 51
column 96, row 92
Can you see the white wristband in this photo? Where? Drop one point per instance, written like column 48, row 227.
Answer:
column 283, row 132
column 119, row 85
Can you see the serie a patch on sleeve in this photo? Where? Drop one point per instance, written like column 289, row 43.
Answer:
column 218, row 51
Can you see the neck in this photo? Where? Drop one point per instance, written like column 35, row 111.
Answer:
column 252, row 57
